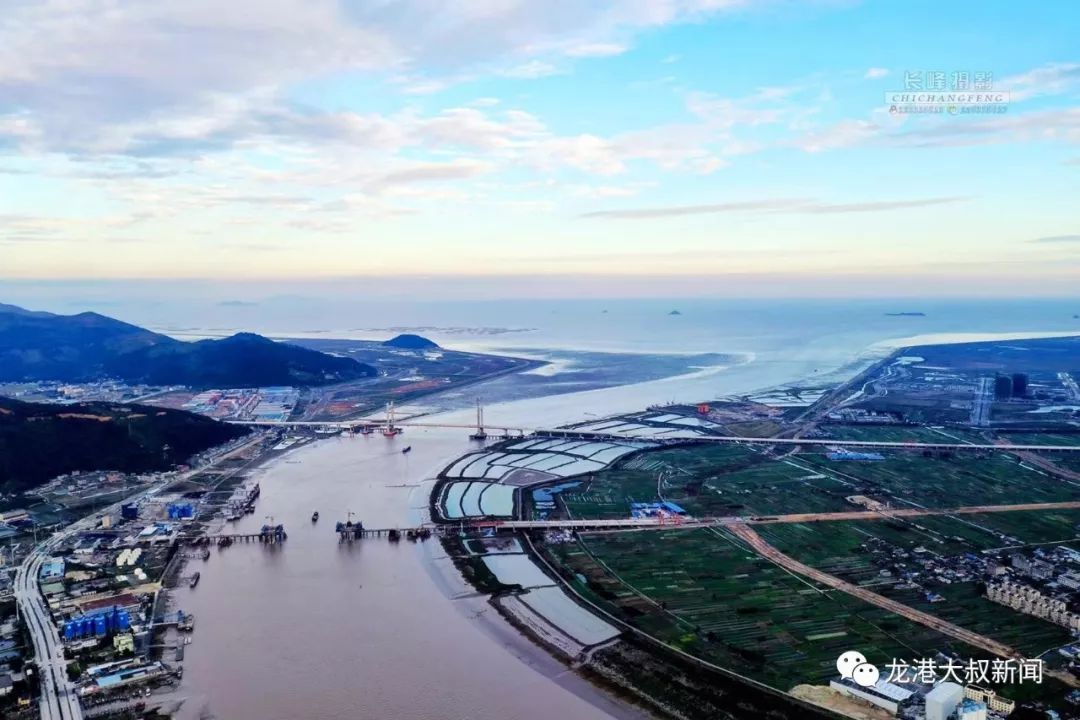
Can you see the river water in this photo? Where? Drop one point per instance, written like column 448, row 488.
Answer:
column 315, row 629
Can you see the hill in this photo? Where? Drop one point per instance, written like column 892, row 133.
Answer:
column 410, row 342
column 89, row 346
column 40, row 441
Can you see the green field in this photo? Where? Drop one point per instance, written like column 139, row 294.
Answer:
column 964, row 479
column 708, row 481
column 703, row 592
column 903, row 433
column 838, row 549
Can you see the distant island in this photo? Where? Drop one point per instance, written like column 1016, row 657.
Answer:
column 905, row 314
column 410, row 342
column 39, row 441
column 88, row 347
column 674, row 312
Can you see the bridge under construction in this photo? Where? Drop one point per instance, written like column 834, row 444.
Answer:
column 368, row 426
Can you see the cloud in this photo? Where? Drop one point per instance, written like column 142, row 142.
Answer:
column 681, row 210
column 430, row 172
column 776, row 205
column 588, row 50
column 875, row 73
column 1052, row 79
column 1057, row 239
column 531, row 70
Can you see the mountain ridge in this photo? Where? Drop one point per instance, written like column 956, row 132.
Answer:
column 89, row 346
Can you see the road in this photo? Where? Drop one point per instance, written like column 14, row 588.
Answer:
column 58, row 698
column 597, row 435
column 675, row 523
column 982, row 402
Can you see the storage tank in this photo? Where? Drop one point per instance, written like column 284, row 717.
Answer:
column 69, row 630
column 123, row 621
column 100, row 626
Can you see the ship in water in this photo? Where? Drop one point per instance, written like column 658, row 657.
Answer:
column 194, row 580
column 406, row 449
column 315, row 516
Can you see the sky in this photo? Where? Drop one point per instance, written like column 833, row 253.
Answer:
column 641, row 147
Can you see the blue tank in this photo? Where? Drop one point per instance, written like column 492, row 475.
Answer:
column 69, row 630
column 100, row 627
column 123, row 620
column 84, row 627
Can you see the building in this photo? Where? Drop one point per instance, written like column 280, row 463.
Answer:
column 1031, row 601
column 1019, row 385
column 970, row 710
column 882, row 693
column 942, row 700
column 126, row 643
column 989, row 698
column 1002, row 387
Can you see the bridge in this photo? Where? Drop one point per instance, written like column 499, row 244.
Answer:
column 577, row 434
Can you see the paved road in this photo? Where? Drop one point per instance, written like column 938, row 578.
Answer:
column 671, row 523
column 58, row 698
column 597, row 435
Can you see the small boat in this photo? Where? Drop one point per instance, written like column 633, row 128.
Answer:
column 205, row 554
column 406, row 449
column 194, row 580
column 315, row 516
column 394, row 535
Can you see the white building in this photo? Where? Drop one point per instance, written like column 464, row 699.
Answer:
column 942, row 700
column 882, row 693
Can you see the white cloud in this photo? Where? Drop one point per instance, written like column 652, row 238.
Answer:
column 587, row 50
column 1052, row 79
column 530, row 70
column 875, row 73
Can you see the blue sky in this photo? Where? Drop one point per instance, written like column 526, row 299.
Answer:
column 742, row 144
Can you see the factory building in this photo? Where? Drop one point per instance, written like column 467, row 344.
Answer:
column 942, row 700
column 1002, row 387
column 882, row 693
column 1019, row 385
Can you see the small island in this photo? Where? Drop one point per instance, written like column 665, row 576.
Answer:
column 674, row 312
column 905, row 314
column 411, row 342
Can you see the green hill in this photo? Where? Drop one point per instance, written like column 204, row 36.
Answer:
column 40, row 441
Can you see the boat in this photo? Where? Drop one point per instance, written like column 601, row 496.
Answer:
column 194, row 580
column 205, row 554
column 315, row 516
column 394, row 535
column 406, row 449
